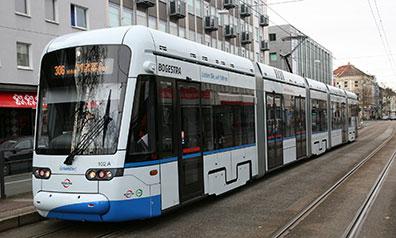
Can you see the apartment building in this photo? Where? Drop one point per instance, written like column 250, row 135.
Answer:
column 237, row 27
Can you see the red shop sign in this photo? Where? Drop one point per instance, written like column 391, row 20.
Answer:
column 18, row 100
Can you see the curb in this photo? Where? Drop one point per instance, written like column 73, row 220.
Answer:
column 19, row 220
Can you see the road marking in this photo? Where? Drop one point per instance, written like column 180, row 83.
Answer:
column 19, row 181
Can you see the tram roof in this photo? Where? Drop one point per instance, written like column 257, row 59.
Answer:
column 336, row 91
column 313, row 84
column 351, row 95
column 273, row 73
column 106, row 36
column 196, row 52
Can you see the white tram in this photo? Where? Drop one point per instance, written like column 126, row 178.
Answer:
column 133, row 122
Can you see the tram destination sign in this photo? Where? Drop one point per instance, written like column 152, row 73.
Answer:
column 104, row 67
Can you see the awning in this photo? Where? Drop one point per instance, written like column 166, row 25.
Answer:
column 18, row 100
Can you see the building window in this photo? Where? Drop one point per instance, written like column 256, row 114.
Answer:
column 50, row 10
column 200, row 38
column 114, row 15
column 162, row 26
column 191, row 35
column 152, row 22
column 198, row 8
column 214, row 42
column 78, row 16
column 23, row 55
column 191, row 6
column 21, row 6
column 273, row 57
column 128, row 16
column 173, row 28
column 272, row 37
column 257, row 34
column 356, row 84
column 182, row 32
column 345, row 84
column 141, row 18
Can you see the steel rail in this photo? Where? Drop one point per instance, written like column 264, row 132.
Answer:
column 357, row 222
column 310, row 207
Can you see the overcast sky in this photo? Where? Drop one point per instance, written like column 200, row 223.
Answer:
column 346, row 28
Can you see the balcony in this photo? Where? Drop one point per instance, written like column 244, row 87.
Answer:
column 229, row 31
column 228, row 4
column 177, row 9
column 211, row 23
column 264, row 20
column 145, row 3
column 246, row 10
column 264, row 46
column 246, row 38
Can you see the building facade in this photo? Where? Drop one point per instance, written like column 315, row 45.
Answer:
column 306, row 57
column 350, row 78
column 235, row 26
column 26, row 26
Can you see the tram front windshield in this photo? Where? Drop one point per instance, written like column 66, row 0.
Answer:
column 81, row 96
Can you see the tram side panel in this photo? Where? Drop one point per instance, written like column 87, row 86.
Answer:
column 286, row 123
column 230, row 159
column 352, row 119
column 319, row 122
column 339, row 120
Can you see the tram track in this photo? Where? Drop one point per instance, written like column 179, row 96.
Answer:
column 355, row 225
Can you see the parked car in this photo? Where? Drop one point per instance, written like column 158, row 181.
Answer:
column 18, row 154
column 385, row 117
column 393, row 117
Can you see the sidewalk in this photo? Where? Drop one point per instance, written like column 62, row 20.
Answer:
column 17, row 211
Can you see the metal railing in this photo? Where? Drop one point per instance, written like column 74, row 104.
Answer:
column 10, row 165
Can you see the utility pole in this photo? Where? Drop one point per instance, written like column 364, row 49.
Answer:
column 286, row 56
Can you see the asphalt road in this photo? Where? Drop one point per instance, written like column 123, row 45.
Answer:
column 264, row 205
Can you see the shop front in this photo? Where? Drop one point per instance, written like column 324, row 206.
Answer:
column 17, row 113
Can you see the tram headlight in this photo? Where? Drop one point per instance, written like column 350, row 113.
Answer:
column 103, row 174
column 42, row 173
column 91, row 175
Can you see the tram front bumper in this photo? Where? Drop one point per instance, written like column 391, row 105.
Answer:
column 95, row 207
column 71, row 206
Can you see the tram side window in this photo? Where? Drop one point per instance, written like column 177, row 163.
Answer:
column 166, row 118
column 315, row 116
column 142, row 133
column 350, row 115
column 319, row 115
column 323, row 115
column 207, row 99
column 343, row 114
column 289, row 115
column 336, row 113
column 228, row 116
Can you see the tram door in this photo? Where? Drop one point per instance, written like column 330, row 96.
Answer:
column 344, row 123
column 301, row 137
column 189, row 145
column 274, row 130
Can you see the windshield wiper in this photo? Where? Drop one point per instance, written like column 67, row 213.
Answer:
column 89, row 137
column 106, row 118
